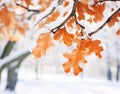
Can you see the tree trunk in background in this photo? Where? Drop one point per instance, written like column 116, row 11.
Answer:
column 6, row 51
column 118, row 72
column 118, row 61
column 12, row 75
column 12, row 66
column 109, row 73
column 8, row 48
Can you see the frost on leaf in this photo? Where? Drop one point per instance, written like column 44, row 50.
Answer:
column 43, row 43
column 65, row 36
column 84, row 48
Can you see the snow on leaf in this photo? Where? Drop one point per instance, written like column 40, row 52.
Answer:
column 43, row 43
column 98, row 11
column 66, row 37
column 81, row 9
column 70, row 22
column 114, row 19
column 93, row 10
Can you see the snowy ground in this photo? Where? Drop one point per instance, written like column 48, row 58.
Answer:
column 62, row 84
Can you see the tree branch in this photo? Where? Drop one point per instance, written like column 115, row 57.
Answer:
column 29, row 10
column 48, row 13
column 71, row 14
column 13, row 57
column 108, row 20
column 7, row 49
column 45, row 16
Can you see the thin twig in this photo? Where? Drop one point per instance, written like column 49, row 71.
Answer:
column 105, row 1
column 71, row 14
column 49, row 13
column 45, row 16
column 29, row 10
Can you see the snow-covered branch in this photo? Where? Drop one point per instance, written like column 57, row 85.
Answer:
column 13, row 57
column 108, row 20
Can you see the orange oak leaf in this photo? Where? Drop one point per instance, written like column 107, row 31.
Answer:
column 81, row 9
column 114, row 19
column 93, row 46
column 28, row 2
column 6, row 16
column 44, row 4
column 43, row 43
column 118, row 32
column 93, row 10
column 74, row 58
column 98, row 11
column 65, row 13
column 85, row 1
column 10, row 23
column 65, row 36
column 70, row 22
column 65, row 3
column 84, row 48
